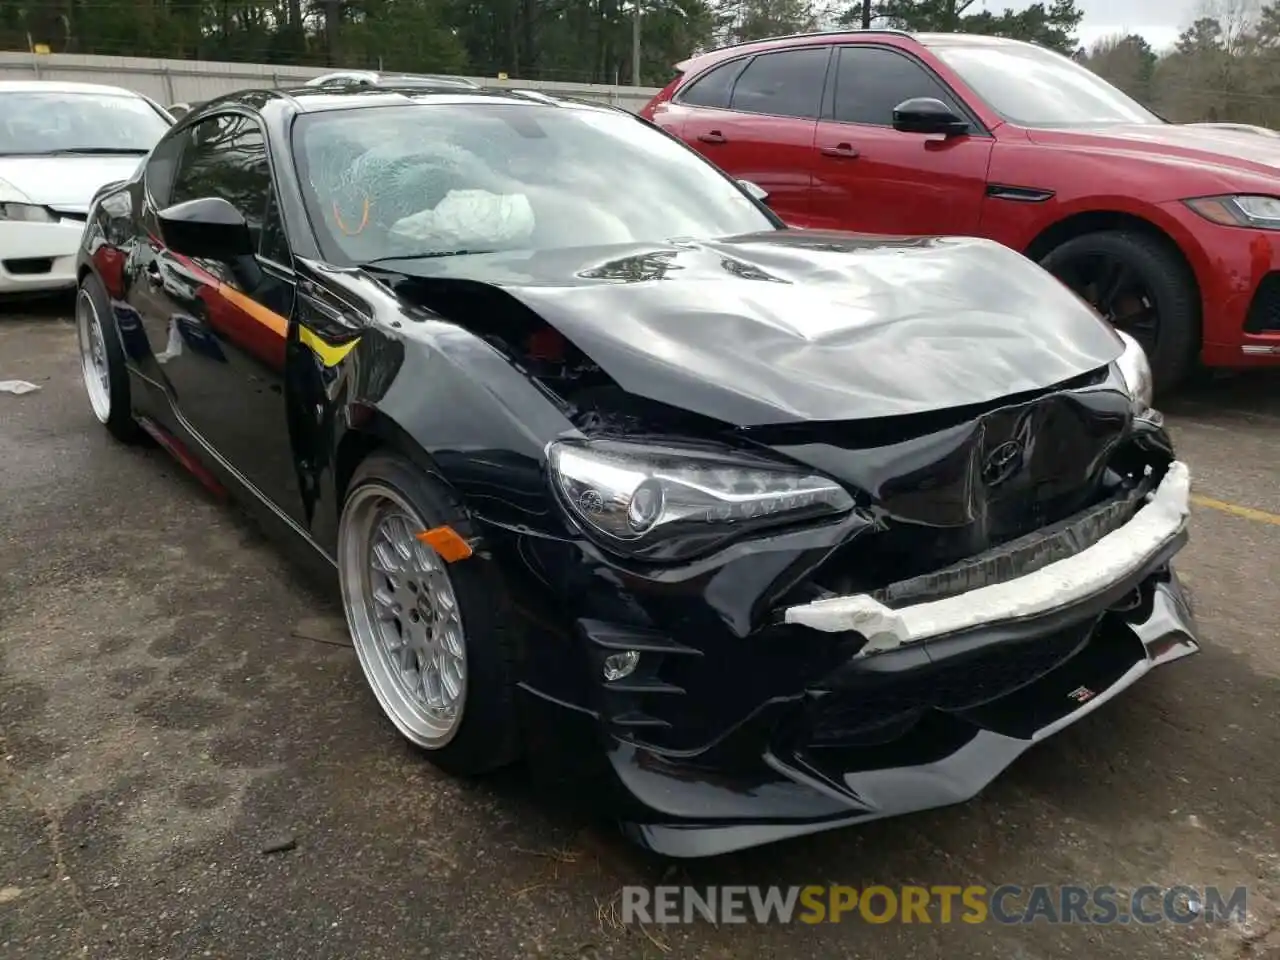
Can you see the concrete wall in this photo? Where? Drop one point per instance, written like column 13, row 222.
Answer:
column 174, row 81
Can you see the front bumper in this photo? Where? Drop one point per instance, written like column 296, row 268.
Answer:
column 915, row 709
column 38, row 257
column 1238, row 272
column 1095, row 570
column 959, row 741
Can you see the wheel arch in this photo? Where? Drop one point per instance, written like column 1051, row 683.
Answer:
column 373, row 430
column 86, row 268
column 1094, row 221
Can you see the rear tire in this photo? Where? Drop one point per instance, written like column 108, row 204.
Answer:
column 1163, row 276
column 435, row 640
column 102, row 363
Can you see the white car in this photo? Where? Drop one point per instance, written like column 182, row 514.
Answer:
column 59, row 143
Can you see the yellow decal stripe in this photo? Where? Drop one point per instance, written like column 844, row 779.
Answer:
column 329, row 354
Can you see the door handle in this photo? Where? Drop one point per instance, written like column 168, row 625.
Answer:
column 712, row 136
column 843, row 151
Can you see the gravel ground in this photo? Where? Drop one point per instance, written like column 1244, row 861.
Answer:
column 175, row 699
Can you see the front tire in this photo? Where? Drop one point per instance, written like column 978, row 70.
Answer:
column 102, row 363
column 1142, row 286
column 434, row 639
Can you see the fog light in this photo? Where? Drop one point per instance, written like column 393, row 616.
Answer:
column 619, row 665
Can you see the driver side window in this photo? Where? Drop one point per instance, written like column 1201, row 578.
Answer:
column 871, row 81
column 226, row 156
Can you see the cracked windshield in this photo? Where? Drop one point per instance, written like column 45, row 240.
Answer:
column 439, row 179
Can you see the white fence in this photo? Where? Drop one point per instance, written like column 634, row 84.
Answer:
column 178, row 81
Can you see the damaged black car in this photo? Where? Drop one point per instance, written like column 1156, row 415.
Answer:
column 748, row 532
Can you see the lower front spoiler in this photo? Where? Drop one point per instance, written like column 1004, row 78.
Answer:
column 686, row 806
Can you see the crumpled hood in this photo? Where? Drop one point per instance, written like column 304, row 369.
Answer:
column 790, row 326
column 65, row 183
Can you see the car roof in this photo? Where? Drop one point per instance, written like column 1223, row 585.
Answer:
column 968, row 40
column 323, row 99
column 59, row 86
column 800, row 39
column 391, row 79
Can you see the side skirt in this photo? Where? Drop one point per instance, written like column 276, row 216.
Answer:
column 224, row 480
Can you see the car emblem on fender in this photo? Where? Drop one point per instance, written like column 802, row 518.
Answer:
column 1002, row 463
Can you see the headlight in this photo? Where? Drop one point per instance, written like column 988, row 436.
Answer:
column 1239, row 210
column 16, row 205
column 667, row 503
column 1135, row 369
column 27, row 212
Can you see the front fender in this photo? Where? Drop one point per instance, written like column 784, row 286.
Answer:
column 441, row 397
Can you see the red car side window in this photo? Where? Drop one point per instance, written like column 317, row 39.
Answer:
column 783, row 84
column 714, row 87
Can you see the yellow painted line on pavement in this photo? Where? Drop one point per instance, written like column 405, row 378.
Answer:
column 1236, row 510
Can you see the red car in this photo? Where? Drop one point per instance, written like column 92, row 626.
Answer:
column 1171, row 231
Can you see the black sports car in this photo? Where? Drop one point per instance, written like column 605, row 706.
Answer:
column 751, row 531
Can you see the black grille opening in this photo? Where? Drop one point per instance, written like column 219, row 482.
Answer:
column 28, row 266
column 883, row 709
column 1264, row 312
column 1019, row 557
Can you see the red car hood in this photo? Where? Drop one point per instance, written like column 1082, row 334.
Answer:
column 1179, row 142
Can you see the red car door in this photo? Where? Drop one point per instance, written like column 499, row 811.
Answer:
column 872, row 178
column 755, row 117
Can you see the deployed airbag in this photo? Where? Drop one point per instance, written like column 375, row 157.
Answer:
column 471, row 218
column 1057, row 585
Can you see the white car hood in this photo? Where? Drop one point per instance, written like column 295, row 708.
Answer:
column 65, row 183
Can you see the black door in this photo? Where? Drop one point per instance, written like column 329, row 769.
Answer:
column 218, row 330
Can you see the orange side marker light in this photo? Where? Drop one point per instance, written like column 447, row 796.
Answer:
column 447, row 542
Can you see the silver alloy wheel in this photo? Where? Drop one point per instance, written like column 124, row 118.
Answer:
column 93, row 356
column 403, row 616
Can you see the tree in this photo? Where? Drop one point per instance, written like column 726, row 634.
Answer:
column 756, row 19
column 1127, row 61
column 1051, row 25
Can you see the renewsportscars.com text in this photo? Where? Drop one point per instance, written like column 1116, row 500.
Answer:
column 973, row 904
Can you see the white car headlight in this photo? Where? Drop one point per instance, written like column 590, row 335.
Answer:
column 669, row 503
column 1135, row 370
column 16, row 205
column 26, row 212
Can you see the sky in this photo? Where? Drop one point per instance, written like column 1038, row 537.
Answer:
column 1159, row 21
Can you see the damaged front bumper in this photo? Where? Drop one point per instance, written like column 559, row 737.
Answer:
column 1065, row 583
column 920, row 706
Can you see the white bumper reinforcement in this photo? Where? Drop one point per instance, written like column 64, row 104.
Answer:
column 1114, row 557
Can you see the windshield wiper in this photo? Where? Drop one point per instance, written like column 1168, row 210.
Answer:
column 424, row 256
column 83, row 151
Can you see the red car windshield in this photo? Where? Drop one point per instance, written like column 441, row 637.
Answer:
column 1033, row 87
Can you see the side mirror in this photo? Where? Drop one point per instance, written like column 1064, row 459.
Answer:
column 209, row 228
column 757, row 192
column 928, row 115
